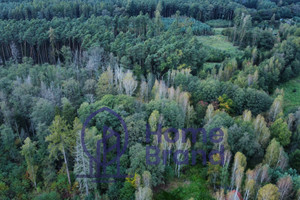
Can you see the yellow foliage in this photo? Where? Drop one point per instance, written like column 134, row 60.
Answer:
column 132, row 180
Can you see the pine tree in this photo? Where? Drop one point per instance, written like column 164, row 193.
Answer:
column 60, row 140
column 29, row 150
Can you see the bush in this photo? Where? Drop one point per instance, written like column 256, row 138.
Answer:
column 219, row 23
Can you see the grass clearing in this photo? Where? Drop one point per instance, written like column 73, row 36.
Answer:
column 220, row 42
column 291, row 94
column 191, row 184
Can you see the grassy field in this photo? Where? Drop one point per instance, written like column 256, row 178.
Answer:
column 191, row 185
column 291, row 94
column 219, row 42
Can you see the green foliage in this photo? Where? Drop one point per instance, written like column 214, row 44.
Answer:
column 100, row 50
column 219, row 23
column 279, row 130
column 138, row 164
column 171, row 112
column 291, row 94
column 127, row 192
column 241, row 138
column 295, row 160
column 47, row 196
column 197, row 27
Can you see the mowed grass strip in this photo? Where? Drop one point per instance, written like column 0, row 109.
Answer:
column 291, row 95
column 220, row 42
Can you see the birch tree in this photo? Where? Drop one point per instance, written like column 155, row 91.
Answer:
column 285, row 186
column 179, row 145
column 82, row 161
column 144, row 91
column 276, row 108
column 239, row 161
column 129, row 83
column 144, row 191
column 272, row 153
column 247, row 116
column 209, row 113
column 262, row 132
column 249, row 186
column 118, row 79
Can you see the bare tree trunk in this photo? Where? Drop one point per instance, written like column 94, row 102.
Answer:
column 66, row 162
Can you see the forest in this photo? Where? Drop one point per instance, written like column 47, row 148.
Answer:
column 160, row 65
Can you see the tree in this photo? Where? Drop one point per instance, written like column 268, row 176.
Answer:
column 129, row 83
column 262, row 132
column 82, row 161
column 249, row 189
column 209, row 113
column 279, row 130
column 272, row 154
column 60, row 140
column 238, row 169
column 71, row 90
column 276, row 108
column 285, row 186
column 68, row 111
column 105, row 84
column 241, row 138
column 136, row 126
column 183, row 147
column 268, row 192
column 137, row 155
column 42, row 112
column 29, row 150
column 214, row 172
column 225, row 103
column 144, row 191
column 295, row 160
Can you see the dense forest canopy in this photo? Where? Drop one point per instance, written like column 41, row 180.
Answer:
column 159, row 64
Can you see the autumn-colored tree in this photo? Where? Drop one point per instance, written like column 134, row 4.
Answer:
column 183, row 147
column 238, row 168
column 262, row 132
column 143, row 191
column 272, row 153
column 268, row 192
column 247, row 115
column 129, row 83
column 214, row 171
column 209, row 113
column 105, row 84
column 285, row 186
column 276, row 108
column 225, row 103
